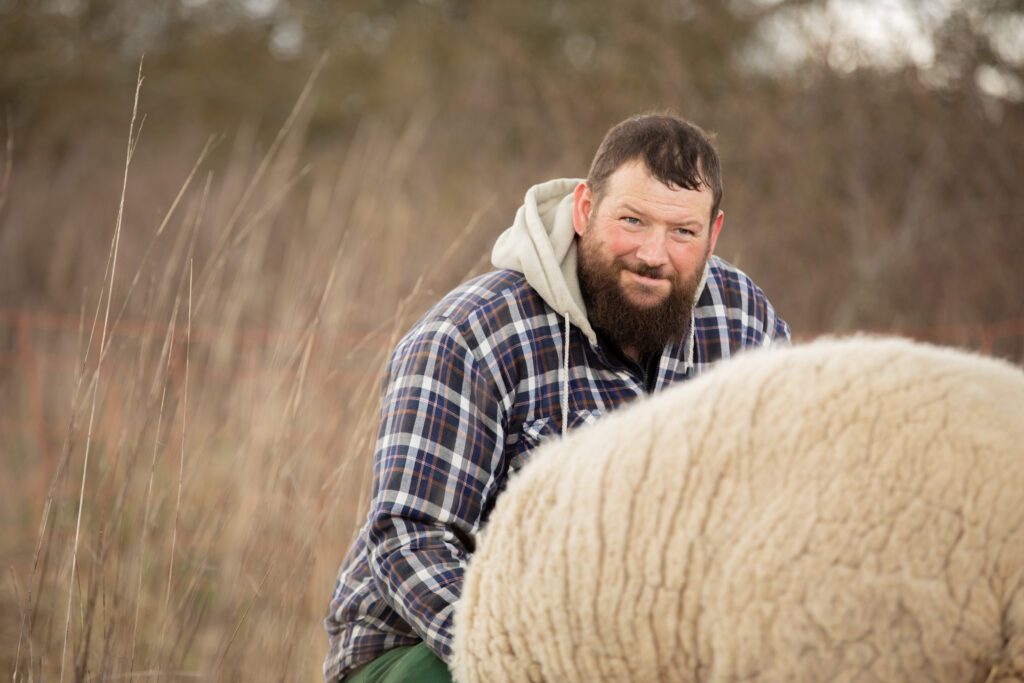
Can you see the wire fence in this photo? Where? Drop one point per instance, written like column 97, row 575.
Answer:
column 47, row 359
column 43, row 354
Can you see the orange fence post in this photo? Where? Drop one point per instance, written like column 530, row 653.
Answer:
column 987, row 341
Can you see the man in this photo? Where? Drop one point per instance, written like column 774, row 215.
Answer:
column 606, row 290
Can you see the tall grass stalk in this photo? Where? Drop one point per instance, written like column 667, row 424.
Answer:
column 181, row 461
column 132, row 140
column 5, row 177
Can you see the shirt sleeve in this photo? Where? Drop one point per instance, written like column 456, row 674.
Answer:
column 776, row 329
column 439, row 443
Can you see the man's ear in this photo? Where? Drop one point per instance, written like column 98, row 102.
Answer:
column 581, row 207
column 716, row 227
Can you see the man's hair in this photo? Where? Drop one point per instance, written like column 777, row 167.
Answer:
column 675, row 151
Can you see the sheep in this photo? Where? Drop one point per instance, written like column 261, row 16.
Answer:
column 845, row 510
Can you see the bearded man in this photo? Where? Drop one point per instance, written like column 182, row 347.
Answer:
column 606, row 290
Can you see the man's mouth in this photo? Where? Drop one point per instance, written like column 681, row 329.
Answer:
column 646, row 280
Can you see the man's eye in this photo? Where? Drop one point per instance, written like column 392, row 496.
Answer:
column 631, row 220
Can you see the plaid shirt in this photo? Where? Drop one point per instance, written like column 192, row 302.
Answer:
column 469, row 392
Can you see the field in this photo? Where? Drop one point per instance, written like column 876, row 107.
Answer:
column 187, row 456
column 196, row 330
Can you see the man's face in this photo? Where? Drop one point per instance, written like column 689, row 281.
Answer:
column 642, row 250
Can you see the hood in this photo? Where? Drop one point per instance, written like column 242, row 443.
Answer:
column 541, row 244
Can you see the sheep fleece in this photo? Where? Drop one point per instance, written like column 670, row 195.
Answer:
column 847, row 510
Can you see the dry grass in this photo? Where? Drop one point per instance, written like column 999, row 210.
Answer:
column 218, row 397
column 202, row 410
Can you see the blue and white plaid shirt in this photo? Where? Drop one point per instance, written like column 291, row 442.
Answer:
column 469, row 392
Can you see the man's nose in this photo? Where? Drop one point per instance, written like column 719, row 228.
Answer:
column 652, row 250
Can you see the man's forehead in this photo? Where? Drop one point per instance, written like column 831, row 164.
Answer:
column 632, row 185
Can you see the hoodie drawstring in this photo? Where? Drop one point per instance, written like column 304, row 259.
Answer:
column 565, row 378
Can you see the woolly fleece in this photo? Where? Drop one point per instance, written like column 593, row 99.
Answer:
column 847, row 510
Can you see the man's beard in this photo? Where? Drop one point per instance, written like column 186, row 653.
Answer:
column 646, row 329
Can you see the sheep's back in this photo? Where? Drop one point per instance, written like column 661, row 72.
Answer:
column 844, row 510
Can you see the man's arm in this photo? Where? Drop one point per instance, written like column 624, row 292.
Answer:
column 776, row 329
column 440, row 439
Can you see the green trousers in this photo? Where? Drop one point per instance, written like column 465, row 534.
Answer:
column 409, row 664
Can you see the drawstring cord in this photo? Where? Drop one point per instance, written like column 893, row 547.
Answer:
column 565, row 378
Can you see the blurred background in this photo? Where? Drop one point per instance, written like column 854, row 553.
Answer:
column 196, row 300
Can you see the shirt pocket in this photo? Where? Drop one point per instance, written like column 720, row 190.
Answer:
column 537, row 432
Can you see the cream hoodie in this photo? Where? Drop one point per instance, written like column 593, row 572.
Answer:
column 541, row 244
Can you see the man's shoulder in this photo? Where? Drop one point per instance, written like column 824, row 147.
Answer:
column 733, row 307
column 730, row 287
column 482, row 305
column 494, row 290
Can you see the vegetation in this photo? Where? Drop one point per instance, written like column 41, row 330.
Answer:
column 190, row 342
